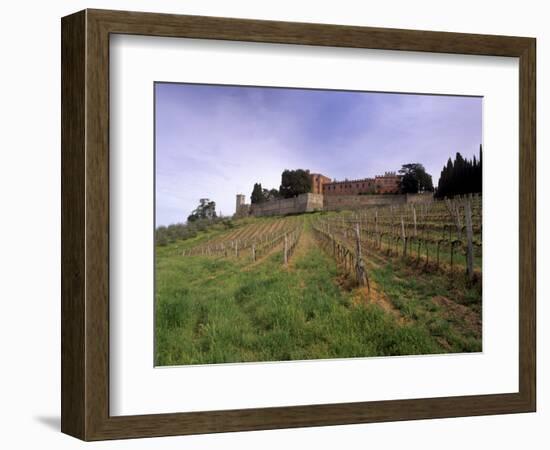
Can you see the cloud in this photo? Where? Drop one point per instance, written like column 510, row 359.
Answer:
column 217, row 141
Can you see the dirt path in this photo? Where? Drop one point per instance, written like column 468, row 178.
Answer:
column 361, row 295
column 471, row 322
column 377, row 297
column 305, row 244
column 262, row 258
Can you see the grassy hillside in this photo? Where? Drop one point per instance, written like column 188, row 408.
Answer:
column 216, row 304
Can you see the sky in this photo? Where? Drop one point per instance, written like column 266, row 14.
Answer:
column 215, row 141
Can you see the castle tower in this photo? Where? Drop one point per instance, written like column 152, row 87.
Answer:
column 317, row 182
column 241, row 201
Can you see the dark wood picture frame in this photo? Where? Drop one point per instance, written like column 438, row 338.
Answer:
column 85, row 224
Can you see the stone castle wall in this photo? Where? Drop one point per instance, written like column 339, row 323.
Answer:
column 420, row 198
column 341, row 202
column 318, row 202
column 300, row 204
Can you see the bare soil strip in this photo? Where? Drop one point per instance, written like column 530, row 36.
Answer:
column 470, row 320
column 304, row 245
column 377, row 297
column 259, row 260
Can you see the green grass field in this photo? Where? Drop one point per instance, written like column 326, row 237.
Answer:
column 212, row 309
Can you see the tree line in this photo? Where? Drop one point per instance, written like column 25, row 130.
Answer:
column 460, row 176
column 202, row 218
column 293, row 183
column 415, row 179
column 169, row 234
column 206, row 210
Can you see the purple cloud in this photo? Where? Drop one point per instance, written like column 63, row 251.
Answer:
column 216, row 141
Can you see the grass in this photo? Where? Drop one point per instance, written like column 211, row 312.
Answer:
column 424, row 298
column 229, row 310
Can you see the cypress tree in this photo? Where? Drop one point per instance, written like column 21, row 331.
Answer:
column 461, row 176
column 257, row 194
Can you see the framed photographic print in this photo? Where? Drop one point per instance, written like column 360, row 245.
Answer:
column 271, row 224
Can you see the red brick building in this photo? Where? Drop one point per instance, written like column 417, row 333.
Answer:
column 389, row 183
column 350, row 187
column 317, row 182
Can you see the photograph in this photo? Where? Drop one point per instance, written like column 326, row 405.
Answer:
column 297, row 224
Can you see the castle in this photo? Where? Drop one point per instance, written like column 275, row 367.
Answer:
column 327, row 194
column 388, row 183
column 242, row 209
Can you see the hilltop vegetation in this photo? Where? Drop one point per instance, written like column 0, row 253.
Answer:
column 461, row 176
column 170, row 234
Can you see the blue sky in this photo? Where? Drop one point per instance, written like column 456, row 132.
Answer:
column 217, row 141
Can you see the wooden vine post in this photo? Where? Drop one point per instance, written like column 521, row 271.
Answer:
column 285, row 251
column 414, row 219
column 454, row 210
column 362, row 277
column 403, row 237
column 469, row 239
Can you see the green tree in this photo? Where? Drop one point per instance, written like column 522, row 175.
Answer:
column 257, row 194
column 294, row 183
column 271, row 194
column 415, row 179
column 205, row 210
column 461, row 176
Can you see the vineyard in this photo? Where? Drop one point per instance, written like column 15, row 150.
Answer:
column 254, row 240
column 393, row 280
column 442, row 236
